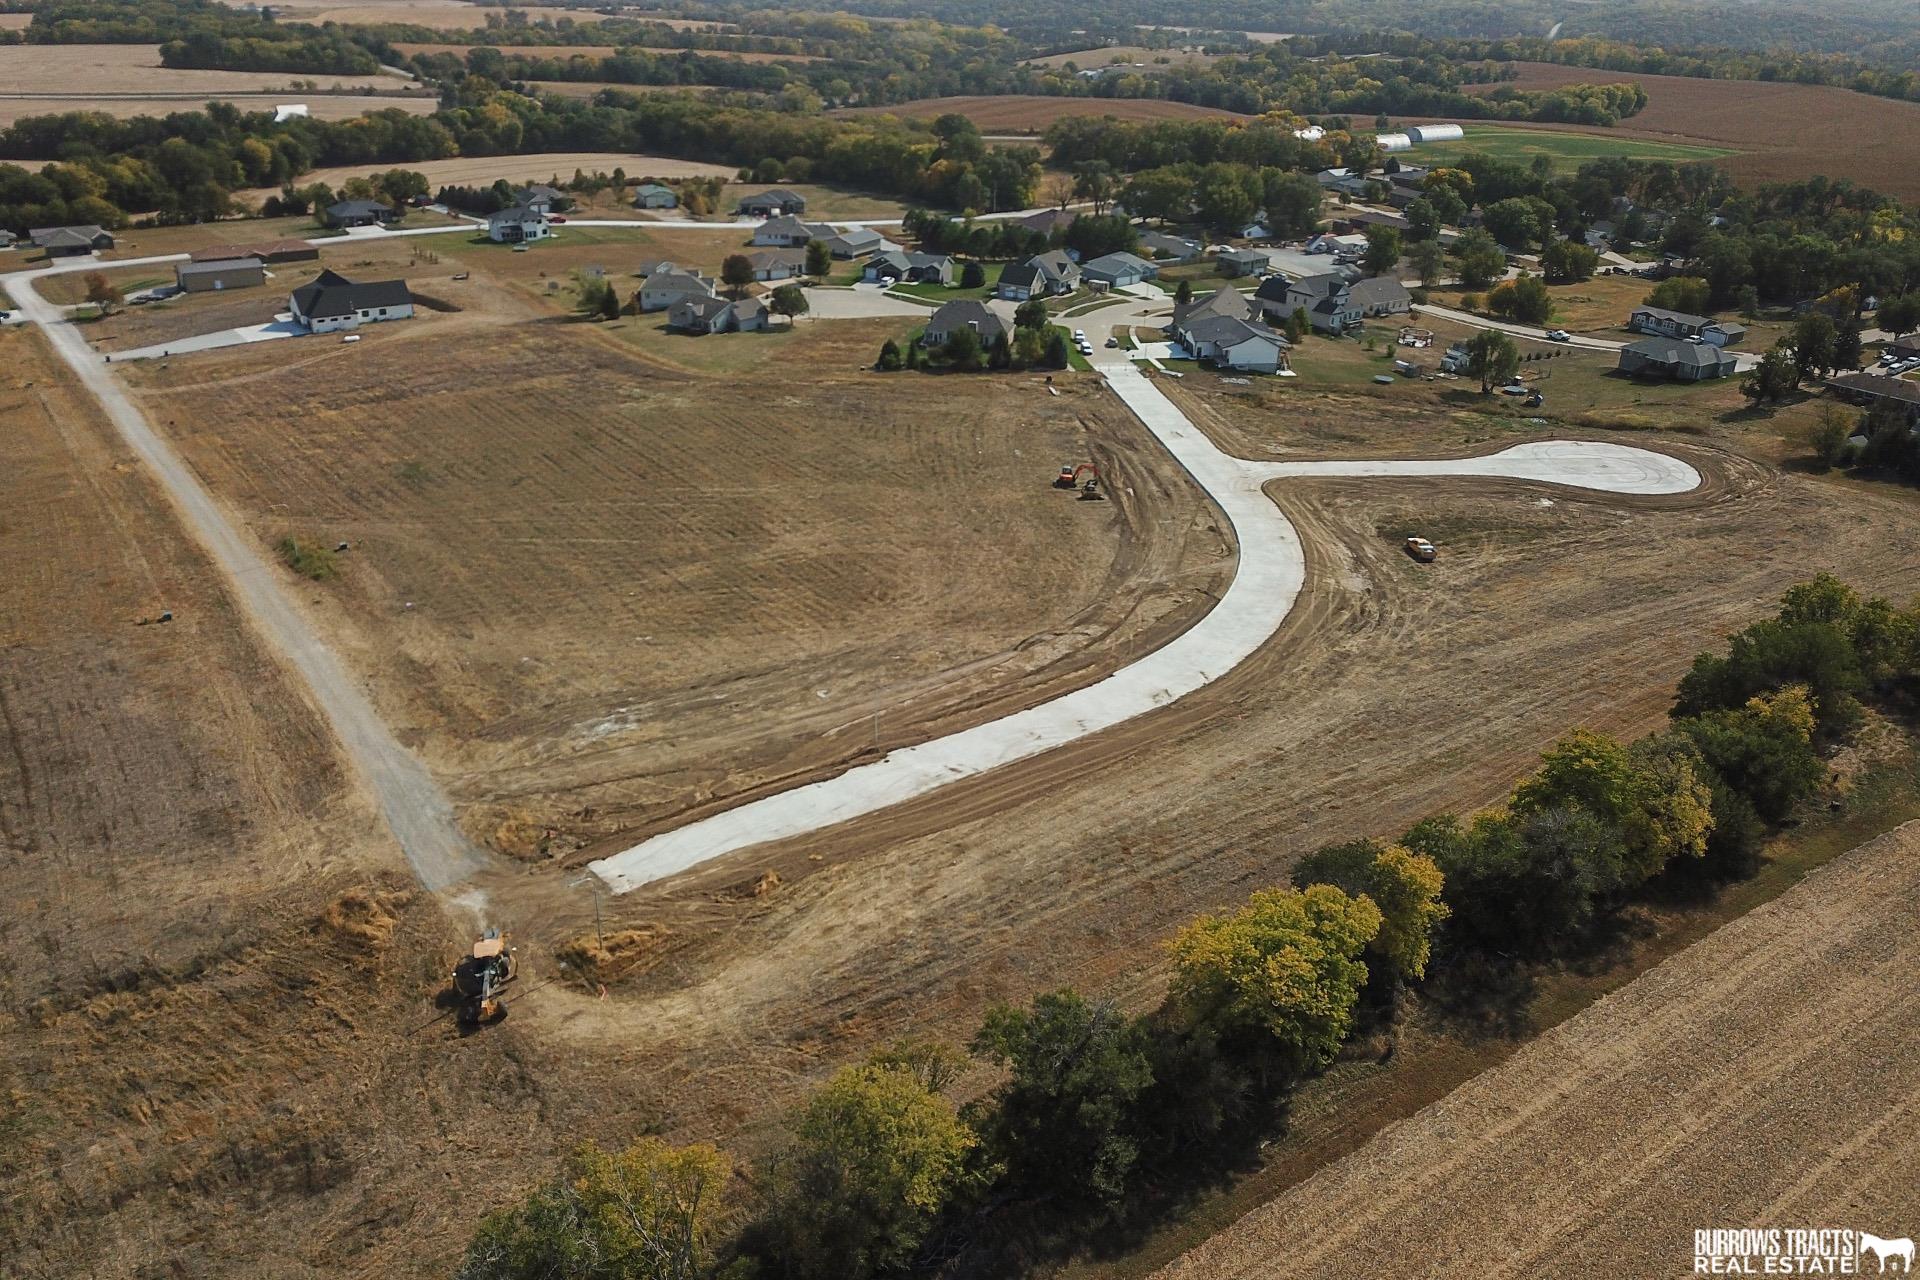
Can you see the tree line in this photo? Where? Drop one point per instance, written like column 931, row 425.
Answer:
column 1101, row 1119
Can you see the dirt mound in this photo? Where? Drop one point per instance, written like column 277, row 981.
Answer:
column 366, row 915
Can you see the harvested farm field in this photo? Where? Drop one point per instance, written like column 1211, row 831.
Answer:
column 133, row 69
column 1783, row 132
column 444, row 15
column 1024, row 113
column 217, row 1015
column 321, row 106
column 1107, row 55
column 562, row 52
column 1760, row 1078
column 483, row 171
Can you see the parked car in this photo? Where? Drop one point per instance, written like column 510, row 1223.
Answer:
column 1422, row 550
column 556, row 217
column 1112, row 341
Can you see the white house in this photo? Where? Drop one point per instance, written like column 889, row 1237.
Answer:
column 333, row 302
column 699, row 314
column 664, row 288
column 783, row 232
column 1044, row 275
column 520, row 224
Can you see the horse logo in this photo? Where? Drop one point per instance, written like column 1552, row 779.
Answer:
column 1883, row 1249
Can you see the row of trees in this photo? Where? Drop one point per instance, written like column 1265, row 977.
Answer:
column 882, row 1171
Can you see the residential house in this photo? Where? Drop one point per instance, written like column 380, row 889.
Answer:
column 1326, row 298
column 6, row 238
column 1380, row 296
column 1174, row 249
column 1256, row 231
column 541, row 199
column 651, row 195
column 965, row 314
column 1048, row 221
column 220, row 274
column 1876, row 389
column 285, row 251
column 1243, row 262
column 784, row 232
column 654, row 266
column 520, row 224
column 67, row 242
column 1044, row 275
column 664, row 288
column 1409, row 176
column 854, row 241
column 334, row 302
column 1358, row 221
column 911, row 268
column 773, row 204
column 1679, row 324
column 697, row 313
column 360, row 213
column 1245, row 345
column 1118, row 270
column 1677, row 359
column 778, row 264
column 1905, row 348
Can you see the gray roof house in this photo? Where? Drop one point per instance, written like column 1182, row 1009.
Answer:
column 1676, row 358
column 785, row 231
column 1171, row 248
column 1243, row 262
column 698, row 313
column 773, row 203
column 664, row 288
column 651, row 195
column 62, row 242
column 1048, row 221
column 854, row 241
column 1118, row 270
column 517, row 225
column 360, row 213
column 913, row 268
column 1043, row 275
column 1680, row 324
column 1380, row 296
column 965, row 314
column 778, row 264
column 1235, row 344
column 540, row 197
column 1876, row 389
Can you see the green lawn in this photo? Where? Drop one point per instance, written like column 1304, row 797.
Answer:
column 1569, row 150
column 947, row 293
column 1075, row 360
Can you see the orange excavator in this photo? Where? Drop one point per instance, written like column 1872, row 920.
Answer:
column 1069, row 478
column 479, row 978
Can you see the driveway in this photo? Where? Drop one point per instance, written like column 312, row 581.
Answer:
column 862, row 302
column 285, row 327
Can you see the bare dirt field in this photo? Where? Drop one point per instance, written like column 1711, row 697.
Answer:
column 322, row 106
column 217, row 1017
column 483, row 171
column 1783, row 131
column 1018, row 113
column 1757, row 1079
column 15, row 21
column 445, row 15
column 136, row 69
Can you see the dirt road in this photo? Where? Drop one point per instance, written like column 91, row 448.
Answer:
column 413, row 805
column 1764, row 1077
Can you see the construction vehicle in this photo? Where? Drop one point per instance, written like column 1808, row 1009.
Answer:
column 1069, row 478
column 479, row 978
column 1422, row 550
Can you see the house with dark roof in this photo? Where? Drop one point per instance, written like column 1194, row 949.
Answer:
column 1171, row 249
column 773, row 204
column 1118, row 270
column 1380, row 296
column 519, row 224
column 901, row 265
column 1243, row 262
column 965, row 314
column 361, row 213
column 784, row 232
column 1358, row 221
column 1228, row 343
column 1877, row 389
column 1676, row 359
column 68, row 242
column 664, row 288
column 219, row 274
column 1048, row 221
column 334, row 302
column 1044, row 275
column 697, row 313
column 778, row 264
column 542, row 199
column 652, row 195
column 1679, row 324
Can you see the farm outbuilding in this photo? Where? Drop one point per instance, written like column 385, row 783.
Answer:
column 219, row 274
column 1436, row 133
column 1394, row 142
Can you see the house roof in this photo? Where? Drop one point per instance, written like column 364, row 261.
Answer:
column 1022, row 275
column 1378, row 289
column 1055, row 262
column 746, row 308
column 653, row 189
column 540, row 191
column 788, row 225
column 514, row 215
column 1679, row 317
column 1678, row 351
column 1369, row 218
column 1244, row 255
column 774, row 195
column 1878, row 386
column 216, row 265
column 63, row 238
column 332, row 295
column 1114, row 263
column 1048, row 220
column 764, row 258
column 967, row 311
column 1169, row 244
column 1274, row 289
column 701, row 306
column 1729, row 328
column 1228, row 331
column 1326, row 284
column 675, row 279
column 354, row 208
column 1221, row 302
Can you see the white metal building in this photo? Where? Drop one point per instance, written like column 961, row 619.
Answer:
column 1436, row 133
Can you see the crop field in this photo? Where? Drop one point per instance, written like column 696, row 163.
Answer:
column 1567, row 150
column 1106, row 55
column 566, row 51
column 445, row 15
column 1759, row 1078
column 135, row 69
column 1781, row 131
column 1022, row 113
column 321, row 106
column 482, row 171
column 587, row 88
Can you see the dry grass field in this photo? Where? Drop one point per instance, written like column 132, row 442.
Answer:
column 1016, row 113
column 1782, row 131
column 481, row 171
column 444, row 15
column 1763, row 1077
column 217, row 1016
column 587, row 88
column 322, row 106
column 1107, row 55
column 15, row 21
column 135, row 69
column 566, row 51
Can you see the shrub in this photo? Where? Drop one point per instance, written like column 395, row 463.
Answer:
column 1404, row 885
column 308, row 559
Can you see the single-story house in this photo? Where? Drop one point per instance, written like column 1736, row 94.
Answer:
column 1168, row 248
column 1876, row 389
column 1044, row 275
column 778, row 264
column 219, row 274
column 6, row 238
column 1380, row 296
column 334, row 302
column 696, row 313
column 1236, row 344
column 1677, row 359
column 1048, row 221
column 286, row 251
column 913, row 268
column 1256, row 231
column 1243, row 262
column 965, row 314
column 784, row 232
column 654, row 266
column 664, row 288
column 360, row 213
column 541, row 198
column 517, row 225
column 773, row 204
column 1679, row 324
column 855, row 241
column 652, row 195
column 1905, row 348
column 1358, row 221
column 1408, row 175
column 67, row 242
column 1118, row 270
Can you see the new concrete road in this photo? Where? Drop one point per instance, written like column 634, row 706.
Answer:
column 1743, row 360
column 415, row 808
column 1272, row 569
